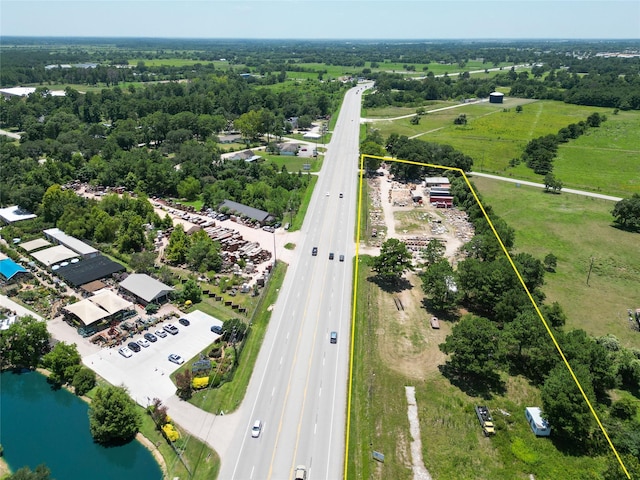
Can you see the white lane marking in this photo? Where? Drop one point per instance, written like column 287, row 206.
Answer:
column 252, row 469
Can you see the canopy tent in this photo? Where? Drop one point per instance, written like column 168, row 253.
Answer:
column 34, row 244
column 110, row 301
column 86, row 311
column 52, row 255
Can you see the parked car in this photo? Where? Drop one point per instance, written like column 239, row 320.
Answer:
column 134, row 347
column 256, row 429
column 184, row 321
column 143, row 343
column 160, row 333
column 333, row 338
column 435, row 324
column 216, row 329
column 151, row 337
column 177, row 359
column 125, row 352
column 172, row 329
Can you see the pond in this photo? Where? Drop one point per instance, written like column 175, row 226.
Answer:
column 41, row 425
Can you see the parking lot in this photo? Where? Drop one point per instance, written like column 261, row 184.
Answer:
column 146, row 373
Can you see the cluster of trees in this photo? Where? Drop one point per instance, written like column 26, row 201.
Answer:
column 94, row 138
column 26, row 344
column 504, row 333
column 120, row 221
column 618, row 88
column 65, row 367
column 23, row 344
column 540, row 152
column 198, row 250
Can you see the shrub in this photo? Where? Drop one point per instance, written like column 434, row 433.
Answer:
column 83, row 381
column 200, row 382
column 170, row 432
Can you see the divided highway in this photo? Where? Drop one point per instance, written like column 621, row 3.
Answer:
column 299, row 386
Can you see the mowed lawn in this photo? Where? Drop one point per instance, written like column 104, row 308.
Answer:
column 577, row 230
column 606, row 159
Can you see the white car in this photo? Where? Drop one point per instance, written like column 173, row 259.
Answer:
column 143, row 343
column 256, row 429
column 160, row 333
column 177, row 359
column 125, row 352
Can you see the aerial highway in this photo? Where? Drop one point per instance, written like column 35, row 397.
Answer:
column 299, row 387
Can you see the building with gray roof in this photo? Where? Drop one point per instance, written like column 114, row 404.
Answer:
column 146, row 289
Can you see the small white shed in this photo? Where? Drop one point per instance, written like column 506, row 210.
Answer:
column 539, row 425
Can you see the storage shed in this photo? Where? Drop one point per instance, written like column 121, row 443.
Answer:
column 538, row 425
column 496, row 97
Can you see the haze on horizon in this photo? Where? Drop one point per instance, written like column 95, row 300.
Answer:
column 323, row 19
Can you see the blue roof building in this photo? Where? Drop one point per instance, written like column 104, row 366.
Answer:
column 9, row 269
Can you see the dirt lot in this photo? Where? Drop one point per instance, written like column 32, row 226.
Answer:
column 410, row 345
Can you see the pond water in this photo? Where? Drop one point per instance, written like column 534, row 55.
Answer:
column 41, row 425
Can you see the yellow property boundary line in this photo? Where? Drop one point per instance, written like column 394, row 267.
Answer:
column 515, row 269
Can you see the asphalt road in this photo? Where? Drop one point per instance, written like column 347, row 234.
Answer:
column 299, row 386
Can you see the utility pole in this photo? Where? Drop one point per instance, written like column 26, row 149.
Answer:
column 590, row 268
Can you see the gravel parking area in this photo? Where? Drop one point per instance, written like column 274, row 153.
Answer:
column 146, row 373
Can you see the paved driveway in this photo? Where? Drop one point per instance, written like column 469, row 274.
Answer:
column 146, row 373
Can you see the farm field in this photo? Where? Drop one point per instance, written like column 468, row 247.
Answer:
column 606, row 159
column 575, row 229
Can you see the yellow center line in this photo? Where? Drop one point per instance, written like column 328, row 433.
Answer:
column 315, row 334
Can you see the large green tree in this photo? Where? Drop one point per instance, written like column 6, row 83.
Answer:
column 627, row 212
column 113, row 417
column 563, row 404
column 63, row 361
column 475, row 347
column 394, row 259
column 439, row 285
column 23, row 343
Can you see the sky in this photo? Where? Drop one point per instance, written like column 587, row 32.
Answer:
column 324, row 19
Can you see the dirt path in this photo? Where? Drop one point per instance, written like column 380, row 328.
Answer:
column 420, row 472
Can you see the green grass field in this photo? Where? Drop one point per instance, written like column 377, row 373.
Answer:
column 575, row 229
column 606, row 159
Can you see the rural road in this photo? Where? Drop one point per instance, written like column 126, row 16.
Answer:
column 541, row 185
